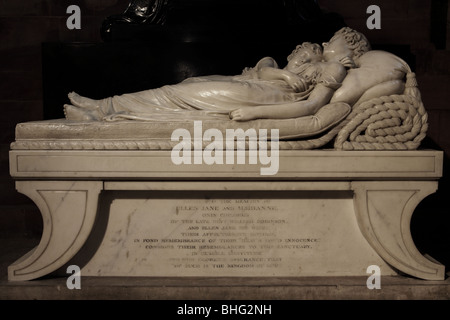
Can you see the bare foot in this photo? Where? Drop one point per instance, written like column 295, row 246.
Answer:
column 79, row 114
column 83, row 102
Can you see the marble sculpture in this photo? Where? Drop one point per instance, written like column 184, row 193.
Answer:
column 344, row 71
column 367, row 101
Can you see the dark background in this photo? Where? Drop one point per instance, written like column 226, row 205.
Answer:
column 30, row 27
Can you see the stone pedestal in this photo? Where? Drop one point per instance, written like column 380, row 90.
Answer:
column 135, row 213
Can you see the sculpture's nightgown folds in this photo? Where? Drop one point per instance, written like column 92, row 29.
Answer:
column 144, row 184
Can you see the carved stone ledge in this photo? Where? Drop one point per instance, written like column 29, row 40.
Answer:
column 384, row 188
column 68, row 211
column 383, row 211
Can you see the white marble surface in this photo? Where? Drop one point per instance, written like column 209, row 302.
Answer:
column 297, row 235
column 297, row 165
column 357, row 204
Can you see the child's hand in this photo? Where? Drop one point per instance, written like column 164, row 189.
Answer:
column 296, row 82
column 243, row 114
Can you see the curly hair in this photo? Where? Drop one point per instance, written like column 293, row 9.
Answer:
column 356, row 41
column 314, row 47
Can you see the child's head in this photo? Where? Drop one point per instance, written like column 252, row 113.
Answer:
column 305, row 53
column 346, row 44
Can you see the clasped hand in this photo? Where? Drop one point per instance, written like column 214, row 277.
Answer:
column 296, row 82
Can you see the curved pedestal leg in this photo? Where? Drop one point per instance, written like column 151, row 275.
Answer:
column 68, row 210
column 383, row 211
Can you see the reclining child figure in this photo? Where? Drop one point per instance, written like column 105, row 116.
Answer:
column 311, row 79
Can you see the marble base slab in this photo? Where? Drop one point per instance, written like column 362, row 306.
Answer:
column 228, row 234
column 133, row 213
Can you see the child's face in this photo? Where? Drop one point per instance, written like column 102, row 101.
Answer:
column 336, row 49
column 303, row 56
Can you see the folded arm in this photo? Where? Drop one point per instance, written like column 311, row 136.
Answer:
column 296, row 82
column 266, row 62
column 320, row 96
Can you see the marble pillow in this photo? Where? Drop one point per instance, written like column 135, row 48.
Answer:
column 380, row 74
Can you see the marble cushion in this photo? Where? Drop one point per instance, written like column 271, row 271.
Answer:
column 60, row 129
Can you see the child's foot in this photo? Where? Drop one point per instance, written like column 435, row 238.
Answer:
column 82, row 102
column 78, row 114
